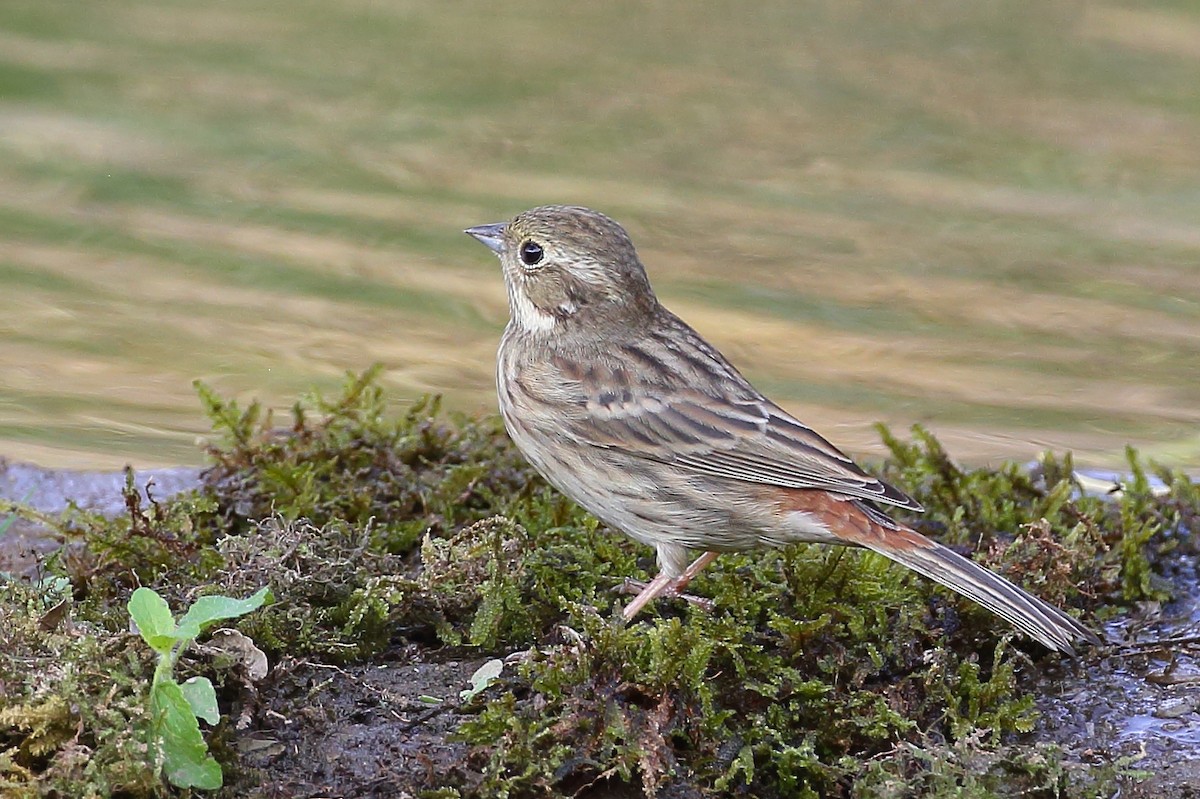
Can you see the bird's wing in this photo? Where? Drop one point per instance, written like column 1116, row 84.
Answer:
column 787, row 453
column 732, row 432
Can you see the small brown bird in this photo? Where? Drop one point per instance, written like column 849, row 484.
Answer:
column 624, row 408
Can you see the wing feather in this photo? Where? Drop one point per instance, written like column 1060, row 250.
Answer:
column 696, row 412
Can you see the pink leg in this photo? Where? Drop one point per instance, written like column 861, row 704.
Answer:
column 666, row 586
column 689, row 574
column 652, row 590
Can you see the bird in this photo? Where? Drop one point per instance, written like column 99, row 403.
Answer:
column 623, row 407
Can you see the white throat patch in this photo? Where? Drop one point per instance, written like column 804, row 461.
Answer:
column 527, row 315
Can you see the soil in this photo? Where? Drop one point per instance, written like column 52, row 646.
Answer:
column 363, row 731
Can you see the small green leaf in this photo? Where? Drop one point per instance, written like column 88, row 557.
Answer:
column 186, row 761
column 207, row 610
column 484, row 676
column 202, row 697
column 153, row 618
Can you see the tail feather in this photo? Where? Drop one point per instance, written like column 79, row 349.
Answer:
column 850, row 521
column 1036, row 618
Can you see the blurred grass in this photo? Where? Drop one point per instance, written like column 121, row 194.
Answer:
column 979, row 216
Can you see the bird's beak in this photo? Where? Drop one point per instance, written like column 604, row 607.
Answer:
column 491, row 236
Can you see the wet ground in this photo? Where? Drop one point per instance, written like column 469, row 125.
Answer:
column 364, row 730
column 1141, row 701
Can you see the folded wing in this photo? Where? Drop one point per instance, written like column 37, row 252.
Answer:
column 733, row 433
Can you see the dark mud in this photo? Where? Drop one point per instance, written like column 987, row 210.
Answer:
column 362, row 731
column 1141, row 701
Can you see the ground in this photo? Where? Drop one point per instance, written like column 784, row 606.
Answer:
column 404, row 553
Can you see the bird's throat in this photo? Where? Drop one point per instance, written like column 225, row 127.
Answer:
column 529, row 317
column 541, row 304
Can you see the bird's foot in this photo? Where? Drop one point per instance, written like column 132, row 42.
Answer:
column 673, row 588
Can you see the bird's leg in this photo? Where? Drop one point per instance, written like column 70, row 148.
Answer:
column 647, row 595
column 662, row 585
column 689, row 574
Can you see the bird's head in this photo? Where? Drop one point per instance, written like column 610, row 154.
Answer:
column 566, row 265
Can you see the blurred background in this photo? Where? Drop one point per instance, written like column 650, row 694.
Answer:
column 981, row 216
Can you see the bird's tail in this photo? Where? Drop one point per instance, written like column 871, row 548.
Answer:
column 1036, row 618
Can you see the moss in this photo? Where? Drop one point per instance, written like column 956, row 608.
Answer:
column 818, row 662
column 348, row 460
column 821, row 672
column 73, row 721
column 935, row 770
column 350, row 491
column 335, row 596
column 1062, row 540
column 747, row 698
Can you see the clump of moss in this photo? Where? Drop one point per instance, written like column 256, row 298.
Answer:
column 478, row 574
column 819, row 661
column 758, row 697
column 1038, row 528
column 498, row 586
column 348, row 460
column 349, row 490
column 968, row 767
column 336, row 597
column 73, row 720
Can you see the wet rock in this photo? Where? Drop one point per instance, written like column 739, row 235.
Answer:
column 1175, row 708
column 51, row 490
column 24, row 543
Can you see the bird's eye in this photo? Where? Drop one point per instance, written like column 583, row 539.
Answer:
column 531, row 253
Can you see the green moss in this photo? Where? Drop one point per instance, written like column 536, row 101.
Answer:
column 1141, row 521
column 335, row 596
column 1062, row 540
column 819, row 664
column 821, row 671
column 72, row 720
column 750, row 697
column 350, row 491
column 347, row 459
column 930, row 769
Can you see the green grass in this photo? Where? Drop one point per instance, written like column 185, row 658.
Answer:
column 1047, row 149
